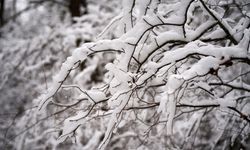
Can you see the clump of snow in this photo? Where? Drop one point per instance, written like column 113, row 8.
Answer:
column 70, row 125
column 96, row 95
column 226, row 102
column 174, row 82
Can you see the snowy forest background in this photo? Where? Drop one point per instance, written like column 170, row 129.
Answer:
column 125, row 74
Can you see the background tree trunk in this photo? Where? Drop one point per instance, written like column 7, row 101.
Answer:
column 2, row 13
column 75, row 7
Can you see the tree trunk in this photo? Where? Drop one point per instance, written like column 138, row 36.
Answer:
column 2, row 13
column 75, row 7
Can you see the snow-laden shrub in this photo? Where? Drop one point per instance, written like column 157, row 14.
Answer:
column 180, row 79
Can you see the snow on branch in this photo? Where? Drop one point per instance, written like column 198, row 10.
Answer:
column 161, row 59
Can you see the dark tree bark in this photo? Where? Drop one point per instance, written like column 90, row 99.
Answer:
column 2, row 13
column 75, row 7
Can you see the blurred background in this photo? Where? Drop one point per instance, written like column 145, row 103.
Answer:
column 36, row 36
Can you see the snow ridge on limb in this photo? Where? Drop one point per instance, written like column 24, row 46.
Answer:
column 79, row 55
